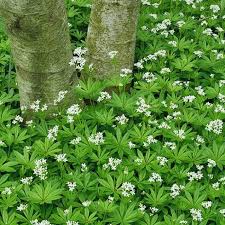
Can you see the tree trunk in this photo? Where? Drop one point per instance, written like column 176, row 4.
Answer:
column 41, row 48
column 112, row 28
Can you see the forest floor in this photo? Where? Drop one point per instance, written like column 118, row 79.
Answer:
column 150, row 155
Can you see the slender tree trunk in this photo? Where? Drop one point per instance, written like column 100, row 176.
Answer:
column 40, row 43
column 112, row 28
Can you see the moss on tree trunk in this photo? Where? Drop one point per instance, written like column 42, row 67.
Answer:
column 112, row 28
column 40, row 43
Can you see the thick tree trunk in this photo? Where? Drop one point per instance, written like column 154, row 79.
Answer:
column 112, row 28
column 40, row 42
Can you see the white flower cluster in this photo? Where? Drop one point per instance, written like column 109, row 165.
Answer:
column 112, row 164
column 142, row 208
column 40, row 169
column 151, row 57
column 70, row 222
column 211, row 163
column 75, row 141
column 18, row 119
column 52, row 133
column 71, row 185
column 200, row 140
column 97, row 138
column 125, row 72
column 128, row 189
column 180, row 133
column 78, row 59
column 216, row 126
column 122, row 119
column 206, row 204
column 60, row 97
column 143, row 107
column 22, row 207
column 2, row 143
column 165, row 70
column 72, row 111
column 27, row 180
column 7, row 191
column 43, row 222
column 153, row 210
column 176, row 190
column 195, row 175
column 86, row 203
column 222, row 211
column 104, row 95
column 162, row 160
column 215, row 8
column 200, row 90
column 155, row 177
column 150, row 140
column 149, row 77
column 61, row 158
column 170, row 145
column 196, row 214
column 189, row 98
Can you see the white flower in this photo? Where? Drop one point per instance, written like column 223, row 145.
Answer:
column 216, row 126
column 173, row 43
column 150, row 140
column 142, row 207
column 162, row 160
column 74, row 110
column 175, row 190
column 26, row 180
column 207, row 204
column 7, row 191
column 222, row 211
column 78, row 59
column 155, row 177
column 84, row 167
column 189, row 98
column 180, row 133
column 75, row 141
column 103, row 96
column 61, row 158
column 171, row 145
column 143, row 107
column 196, row 214
column 52, row 133
column 122, row 119
column 40, row 169
column 211, row 163
column 125, row 72
column 131, row 145
column 71, row 185
column 70, row 222
column 200, row 90
column 149, row 77
column 96, row 138
column 112, row 164
column 128, row 189
column 60, row 97
column 195, row 176
column 18, row 119
column 86, row 203
column 22, row 207
column 215, row 8
column 165, row 70
column 198, row 53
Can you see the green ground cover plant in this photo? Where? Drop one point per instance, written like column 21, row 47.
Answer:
column 150, row 153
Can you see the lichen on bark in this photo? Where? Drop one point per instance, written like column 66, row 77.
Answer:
column 41, row 48
column 112, row 27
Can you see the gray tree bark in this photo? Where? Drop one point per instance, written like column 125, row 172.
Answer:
column 112, row 28
column 41, row 48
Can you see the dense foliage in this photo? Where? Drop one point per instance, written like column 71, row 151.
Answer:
column 150, row 153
